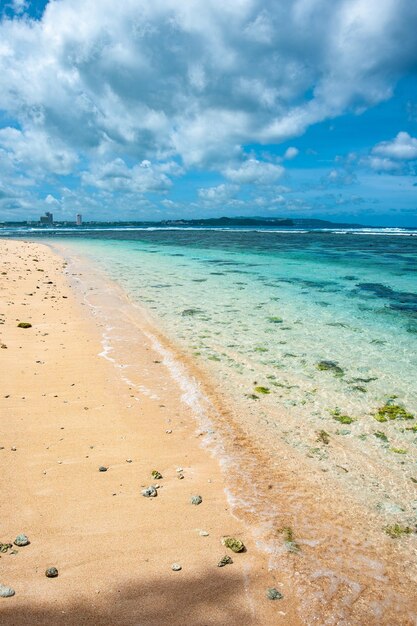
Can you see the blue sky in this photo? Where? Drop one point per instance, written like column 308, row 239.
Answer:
column 172, row 109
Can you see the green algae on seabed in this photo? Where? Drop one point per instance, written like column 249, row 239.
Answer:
column 323, row 437
column 397, row 530
column 392, row 412
column 157, row 475
column 251, row 396
column 290, row 543
column 264, row 390
column 381, row 435
column 330, row 366
column 275, row 320
column 339, row 417
column 398, row 450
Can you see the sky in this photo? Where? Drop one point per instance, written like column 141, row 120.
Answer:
column 171, row 109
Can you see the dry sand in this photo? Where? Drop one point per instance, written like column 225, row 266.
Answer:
column 65, row 411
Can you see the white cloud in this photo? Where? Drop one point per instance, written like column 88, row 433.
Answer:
column 253, row 171
column 19, row 6
column 117, row 176
column 402, row 148
column 198, row 79
column 219, row 194
column 35, row 150
column 396, row 156
column 338, row 178
column 291, row 153
column 384, row 165
column 51, row 200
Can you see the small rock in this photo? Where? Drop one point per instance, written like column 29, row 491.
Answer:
column 226, row 560
column 157, row 475
column 128, row 460
column 51, row 572
column 203, row 533
column 176, row 567
column 274, row 594
column 150, row 492
column 21, row 540
column 169, row 431
column 236, row 545
column 179, row 470
column 196, row 500
column 102, row 468
column 13, row 448
column 6, row 592
column 180, row 476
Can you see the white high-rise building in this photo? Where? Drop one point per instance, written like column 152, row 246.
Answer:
column 79, row 219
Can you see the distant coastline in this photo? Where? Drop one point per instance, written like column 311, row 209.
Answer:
column 208, row 222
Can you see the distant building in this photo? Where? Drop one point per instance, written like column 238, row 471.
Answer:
column 47, row 219
column 79, row 219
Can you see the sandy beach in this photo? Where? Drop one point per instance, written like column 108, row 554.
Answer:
column 65, row 413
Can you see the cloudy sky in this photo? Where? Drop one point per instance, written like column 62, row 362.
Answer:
column 155, row 109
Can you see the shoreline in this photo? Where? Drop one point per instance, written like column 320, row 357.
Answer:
column 339, row 561
column 66, row 413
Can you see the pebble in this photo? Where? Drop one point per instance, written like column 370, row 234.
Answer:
column 179, row 470
column 150, row 492
column 169, row 431
column 196, row 500
column 21, row 540
column 226, row 560
column 13, row 449
column 176, row 567
column 6, row 592
column 274, row 594
column 51, row 572
column 236, row 545
column 203, row 533
column 128, row 460
column 102, row 468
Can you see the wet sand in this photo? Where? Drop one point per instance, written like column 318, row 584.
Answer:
column 65, row 411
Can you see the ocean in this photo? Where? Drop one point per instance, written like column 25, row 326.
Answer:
column 308, row 342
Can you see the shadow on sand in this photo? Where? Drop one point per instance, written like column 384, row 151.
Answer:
column 216, row 599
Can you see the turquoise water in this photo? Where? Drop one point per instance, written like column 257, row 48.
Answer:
column 274, row 305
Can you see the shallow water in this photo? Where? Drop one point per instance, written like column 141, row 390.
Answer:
column 259, row 311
